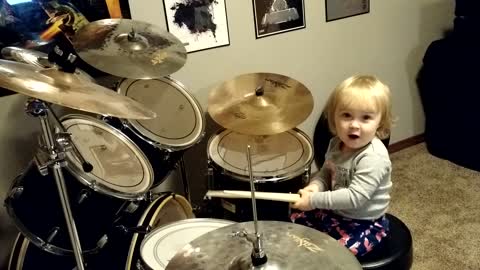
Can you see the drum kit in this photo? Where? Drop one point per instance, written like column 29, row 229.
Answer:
column 87, row 199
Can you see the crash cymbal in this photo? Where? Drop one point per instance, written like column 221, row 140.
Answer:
column 68, row 90
column 130, row 49
column 286, row 245
column 36, row 58
column 260, row 103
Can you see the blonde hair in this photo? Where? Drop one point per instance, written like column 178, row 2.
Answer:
column 364, row 92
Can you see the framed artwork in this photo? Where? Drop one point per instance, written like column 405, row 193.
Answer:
column 201, row 25
column 339, row 9
column 277, row 16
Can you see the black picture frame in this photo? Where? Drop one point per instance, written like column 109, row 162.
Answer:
column 213, row 31
column 286, row 19
column 341, row 9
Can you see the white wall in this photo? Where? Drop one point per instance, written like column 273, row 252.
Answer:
column 389, row 42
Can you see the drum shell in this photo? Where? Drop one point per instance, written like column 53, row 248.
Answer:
column 226, row 172
column 125, row 247
column 240, row 210
column 163, row 160
column 120, row 252
column 34, row 205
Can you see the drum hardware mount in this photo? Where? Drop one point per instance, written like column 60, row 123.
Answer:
column 183, row 174
column 56, row 154
column 139, row 229
column 258, row 255
column 306, row 175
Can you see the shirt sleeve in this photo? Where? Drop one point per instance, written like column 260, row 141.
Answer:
column 370, row 170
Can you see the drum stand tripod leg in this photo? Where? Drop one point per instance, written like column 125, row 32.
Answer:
column 57, row 159
column 183, row 173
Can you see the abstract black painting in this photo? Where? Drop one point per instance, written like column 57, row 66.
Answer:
column 201, row 24
column 278, row 16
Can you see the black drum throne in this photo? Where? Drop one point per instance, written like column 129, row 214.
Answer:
column 396, row 251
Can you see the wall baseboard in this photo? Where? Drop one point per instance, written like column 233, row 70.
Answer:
column 395, row 147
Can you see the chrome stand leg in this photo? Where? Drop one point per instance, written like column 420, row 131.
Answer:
column 183, row 173
column 60, row 181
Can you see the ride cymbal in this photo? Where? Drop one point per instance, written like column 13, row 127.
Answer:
column 130, row 49
column 68, row 90
column 286, row 245
column 260, row 104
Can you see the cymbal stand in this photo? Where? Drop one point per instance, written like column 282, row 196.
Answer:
column 55, row 149
column 258, row 255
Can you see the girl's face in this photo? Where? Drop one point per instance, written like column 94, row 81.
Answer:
column 356, row 127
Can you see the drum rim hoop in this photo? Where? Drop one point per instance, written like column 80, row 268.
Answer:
column 143, row 133
column 83, row 177
column 273, row 179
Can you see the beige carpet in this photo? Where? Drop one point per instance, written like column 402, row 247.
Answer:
column 440, row 203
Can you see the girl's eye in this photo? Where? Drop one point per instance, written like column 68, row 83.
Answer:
column 346, row 115
column 367, row 117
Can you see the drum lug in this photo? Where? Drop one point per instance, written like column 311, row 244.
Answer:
column 131, row 207
column 103, row 241
column 306, row 176
column 84, row 194
column 53, row 233
column 210, row 178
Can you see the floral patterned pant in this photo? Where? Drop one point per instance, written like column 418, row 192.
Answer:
column 359, row 236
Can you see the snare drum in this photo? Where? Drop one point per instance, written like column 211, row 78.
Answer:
column 121, row 174
column 280, row 163
column 180, row 121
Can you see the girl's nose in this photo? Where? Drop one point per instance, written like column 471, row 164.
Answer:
column 354, row 124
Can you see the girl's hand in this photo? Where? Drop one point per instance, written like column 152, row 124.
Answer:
column 304, row 202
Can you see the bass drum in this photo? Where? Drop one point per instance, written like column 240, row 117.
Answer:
column 180, row 121
column 121, row 251
column 280, row 163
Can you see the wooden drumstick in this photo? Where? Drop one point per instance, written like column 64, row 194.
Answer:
column 238, row 194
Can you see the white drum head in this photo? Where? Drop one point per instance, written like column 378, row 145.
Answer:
column 164, row 210
column 163, row 243
column 120, row 168
column 277, row 157
column 180, row 121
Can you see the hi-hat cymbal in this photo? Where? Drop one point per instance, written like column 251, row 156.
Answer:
column 68, row 90
column 287, row 246
column 36, row 58
column 130, row 49
column 260, row 103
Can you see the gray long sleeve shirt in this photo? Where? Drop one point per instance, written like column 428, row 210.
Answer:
column 354, row 185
